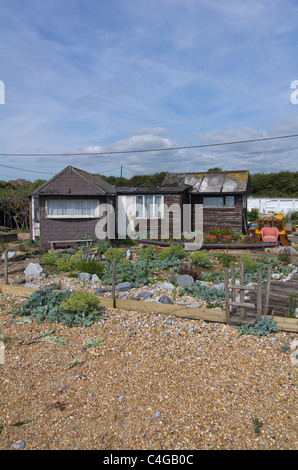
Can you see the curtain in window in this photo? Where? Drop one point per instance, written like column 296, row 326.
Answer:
column 72, row 207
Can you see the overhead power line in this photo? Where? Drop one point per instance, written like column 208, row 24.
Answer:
column 24, row 169
column 217, row 144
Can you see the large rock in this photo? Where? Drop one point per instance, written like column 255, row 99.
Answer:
column 164, row 299
column 122, row 286
column 184, row 280
column 34, row 270
column 84, row 277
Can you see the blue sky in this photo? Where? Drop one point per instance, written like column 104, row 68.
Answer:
column 87, row 76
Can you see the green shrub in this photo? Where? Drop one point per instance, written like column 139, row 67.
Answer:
column 89, row 266
column 63, row 265
column 79, row 308
column 263, row 327
column 200, row 291
column 82, row 307
column 148, row 253
column 50, row 258
column 224, row 258
column 201, row 258
column 113, row 253
column 249, row 263
column 173, row 251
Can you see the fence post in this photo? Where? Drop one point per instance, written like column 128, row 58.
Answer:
column 114, row 283
column 242, row 313
column 259, row 295
column 268, row 289
column 233, row 281
column 226, row 278
column 6, row 267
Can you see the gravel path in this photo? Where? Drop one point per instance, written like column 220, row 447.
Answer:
column 153, row 382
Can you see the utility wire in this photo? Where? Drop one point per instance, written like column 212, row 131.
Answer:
column 23, row 169
column 149, row 150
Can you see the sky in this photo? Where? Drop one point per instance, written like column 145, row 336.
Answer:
column 96, row 83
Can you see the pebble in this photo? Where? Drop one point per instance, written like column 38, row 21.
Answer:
column 18, row 445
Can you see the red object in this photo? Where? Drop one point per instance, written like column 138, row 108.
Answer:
column 269, row 234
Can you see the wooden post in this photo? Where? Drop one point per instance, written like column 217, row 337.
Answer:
column 114, row 283
column 242, row 313
column 268, row 289
column 226, row 278
column 259, row 295
column 6, row 267
column 233, row 283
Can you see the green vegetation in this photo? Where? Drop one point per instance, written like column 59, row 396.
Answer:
column 113, row 253
column 71, row 261
column 263, row 327
column 201, row 258
column 70, row 308
column 281, row 184
column 293, row 304
column 173, row 251
column 203, row 292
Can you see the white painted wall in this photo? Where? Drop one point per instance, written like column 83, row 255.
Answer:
column 266, row 205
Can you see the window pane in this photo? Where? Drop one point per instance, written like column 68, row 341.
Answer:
column 230, row 201
column 158, row 207
column 149, row 206
column 213, row 201
column 72, row 207
column 140, row 206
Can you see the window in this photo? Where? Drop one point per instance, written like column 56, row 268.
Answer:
column 219, row 201
column 149, row 206
column 70, row 208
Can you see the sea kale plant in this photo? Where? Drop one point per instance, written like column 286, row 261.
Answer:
column 79, row 308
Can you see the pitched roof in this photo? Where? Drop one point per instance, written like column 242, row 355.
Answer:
column 102, row 186
column 211, row 182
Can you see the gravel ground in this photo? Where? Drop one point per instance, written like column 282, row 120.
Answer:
column 155, row 382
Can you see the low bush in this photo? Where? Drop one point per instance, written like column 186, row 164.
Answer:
column 113, row 253
column 201, row 258
column 82, row 308
column 69, row 308
column 201, row 291
column 173, row 251
column 263, row 327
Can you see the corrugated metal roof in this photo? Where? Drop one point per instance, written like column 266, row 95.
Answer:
column 211, row 182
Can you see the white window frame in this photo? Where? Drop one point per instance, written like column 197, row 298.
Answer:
column 72, row 216
column 155, row 206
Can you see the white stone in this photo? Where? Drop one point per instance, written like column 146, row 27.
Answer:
column 34, row 270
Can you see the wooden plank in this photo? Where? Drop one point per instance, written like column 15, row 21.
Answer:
column 286, row 324
column 237, row 286
column 242, row 305
column 194, row 313
column 18, row 291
